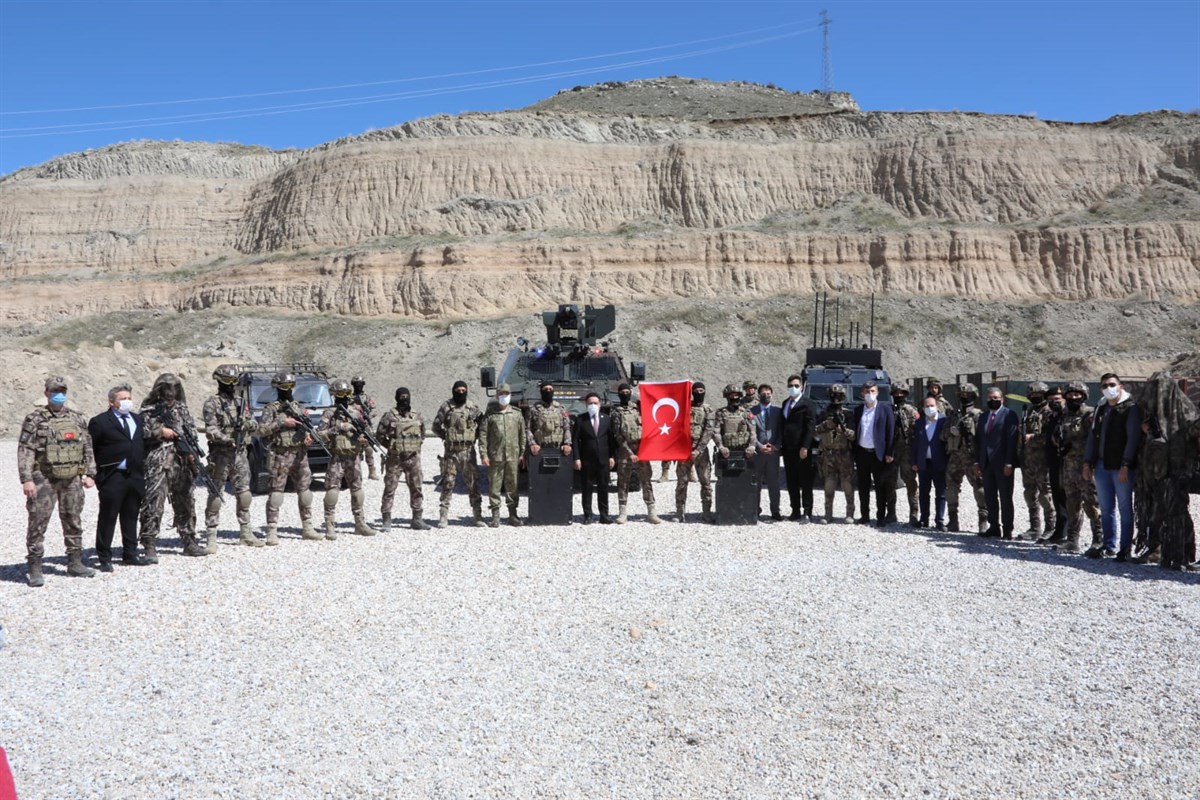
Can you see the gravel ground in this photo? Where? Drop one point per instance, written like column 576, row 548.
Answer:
column 677, row 661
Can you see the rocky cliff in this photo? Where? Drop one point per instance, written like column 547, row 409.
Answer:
column 512, row 210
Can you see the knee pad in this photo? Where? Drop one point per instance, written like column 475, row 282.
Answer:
column 214, row 504
column 331, row 498
column 275, row 500
column 357, row 498
column 243, row 501
column 306, row 498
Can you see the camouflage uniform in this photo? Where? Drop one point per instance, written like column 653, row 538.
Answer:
column 168, row 473
column 1035, row 472
column 289, row 459
column 836, row 433
column 733, row 431
column 402, row 433
column 900, row 470
column 54, row 451
column 458, row 428
column 223, row 415
column 549, row 425
column 366, row 407
column 502, row 437
column 1070, row 442
column 627, row 421
column 342, row 439
column 959, row 436
column 704, row 430
column 943, row 405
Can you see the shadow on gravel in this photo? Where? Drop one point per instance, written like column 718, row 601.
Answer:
column 972, row 544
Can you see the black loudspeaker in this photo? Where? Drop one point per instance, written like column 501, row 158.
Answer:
column 737, row 491
column 551, row 487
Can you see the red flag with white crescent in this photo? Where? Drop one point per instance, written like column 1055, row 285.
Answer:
column 666, row 421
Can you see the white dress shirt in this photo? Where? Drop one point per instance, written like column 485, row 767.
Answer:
column 866, row 428
column 127, row 423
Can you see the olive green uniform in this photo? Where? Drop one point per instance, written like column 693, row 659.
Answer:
column 502, row 439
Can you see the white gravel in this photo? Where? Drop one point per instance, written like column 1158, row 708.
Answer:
column 599, row 661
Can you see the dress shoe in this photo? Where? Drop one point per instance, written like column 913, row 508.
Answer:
column 940, row 526
column 864, row 521
column 587, row 519
column 1094, row 552
column 793, row 516
column 1122, row 556
column 605, row 519
column 134, row 560
column 105, row 566
column 1008, row 534
column 777, row 517
column 990, row 533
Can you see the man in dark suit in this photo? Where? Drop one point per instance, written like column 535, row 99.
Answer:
column 118, row 445
column 995, row 455
column 874, row 448
column 768, row 437
column 929, row 461
column 799, row 425
column 595, row 445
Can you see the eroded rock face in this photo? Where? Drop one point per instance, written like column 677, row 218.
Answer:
column 504, row 211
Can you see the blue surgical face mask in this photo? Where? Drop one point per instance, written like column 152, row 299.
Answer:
column 503, row 399
column 58, row 398
column 931, row 411
column 126, row 406
column 794, row 391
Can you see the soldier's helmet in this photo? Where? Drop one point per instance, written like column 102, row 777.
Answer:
column 166, row 383
column 899, row 391
column 968, row 389
column 749, row 385
column 1038, row 387
column 341, row 387
column 358, row 382
column 731, row 388
column 226, row 374
column 838, row 390
column 1077, row 386
column 283, row 380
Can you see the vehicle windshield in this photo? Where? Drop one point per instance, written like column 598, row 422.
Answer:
column 311, row 394
column 604, row 366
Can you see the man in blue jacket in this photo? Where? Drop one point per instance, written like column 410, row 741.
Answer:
column 929, row 461
column 874, row 448
column 995, row 457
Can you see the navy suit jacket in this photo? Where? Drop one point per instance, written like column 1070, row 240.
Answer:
column 112, row 445
column 768, row 425
column 937, row 448
column 997, row 449
column 885, row 428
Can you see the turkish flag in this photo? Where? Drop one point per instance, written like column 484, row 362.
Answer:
column 666, row 421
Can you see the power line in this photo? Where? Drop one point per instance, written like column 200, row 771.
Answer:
column 405, row 80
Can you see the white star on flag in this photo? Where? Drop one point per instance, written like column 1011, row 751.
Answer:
column 665, row 429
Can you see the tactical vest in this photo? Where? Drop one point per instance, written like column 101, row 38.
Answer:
column 227, row 416
column 698, row 415
column 735, row 429
column 461, row 427
column 905, row 423
column 630, row 425
column 341, row 443
column 64, row 448
column 546, row 425
column 1071, row 433
column 288, row 439
column 406, row 440
column 833, row 438
column 962, row 432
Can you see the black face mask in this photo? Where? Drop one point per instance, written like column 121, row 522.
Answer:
column 1057, row 405
column 459, row 398
column 284, row 394
column 900, row 400
column 734, row 402
column 625, row 398
column 1037, row 400
column 835, row 400
column 403, row 405
column 994, row 405
column 225, row 389
column 548, row 395
column 697, row 398
column 965, row 400
column 1075, row 403
column 342, row 401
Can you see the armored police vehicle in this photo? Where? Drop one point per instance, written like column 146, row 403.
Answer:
column 574, row 357
column 851, row 367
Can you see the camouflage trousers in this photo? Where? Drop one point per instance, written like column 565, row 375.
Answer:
column 349, row 468
column 167, row 476
column 1035, row 476
column 68, row 495
column 502, row 479
column 368, row 456
column 901, row 470
column 962, row 465
column 1081, row 498
column 394, row 467
column 837, row 468
column 290, row 464
column 453, row 463
column 683, row 470
column 223, row 463
column 625, row 468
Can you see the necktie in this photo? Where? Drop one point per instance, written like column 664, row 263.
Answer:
column 991, row 419
column 596, row 425
column 125, row 424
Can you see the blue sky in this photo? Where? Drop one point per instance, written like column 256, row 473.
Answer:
column 1057, row 59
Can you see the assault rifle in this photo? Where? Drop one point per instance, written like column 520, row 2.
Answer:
column 361, row 426
column 287, row 410
column 239, row 426
column 186, row 443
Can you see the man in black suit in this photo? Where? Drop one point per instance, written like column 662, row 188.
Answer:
column 118, row 445
column 595, row 444
column 995, row 455
column 874, row 448
column 799, row 423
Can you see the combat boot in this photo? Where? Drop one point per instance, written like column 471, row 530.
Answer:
column 651, row 517
column 385, row 523
column 1035, row 525
column 514, row 520
column 444, row 518
column 211, row 545
column 1097, row 534
column 621, row 518
column 330, row 529
column 707, row 513
column 1054, row 537
column 248, row 538
column 35, row 573
column 495, row 523
column 309, row 532
column 479, row 523
column 679, row 516
column 272, row 536
column 190, row 546
column 361, row 527
column 372, row 472
column 666, row 469
column 1072, row 547
column 952, row 527
column 76, row 568
column 418, row 524
column 150, row 550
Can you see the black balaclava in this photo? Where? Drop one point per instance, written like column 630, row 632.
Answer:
column 625, row 393
column 460, row 398
column 698, row 392
column 403, row 400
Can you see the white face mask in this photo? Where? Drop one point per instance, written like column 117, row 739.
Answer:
column 503, row 399
column 870, row 398
column 794, row 391
column 594, row 409
column 1112, row 392
column 931, row 411
column 125, row 406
